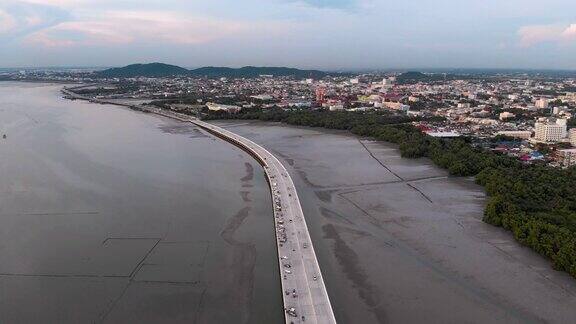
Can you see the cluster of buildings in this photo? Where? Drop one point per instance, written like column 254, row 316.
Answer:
column 537, row 110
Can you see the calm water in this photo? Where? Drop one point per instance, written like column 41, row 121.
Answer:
column 109, row 215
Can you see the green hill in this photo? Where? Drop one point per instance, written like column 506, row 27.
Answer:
column 253, row 71
column 151, row 70
column 155, row 70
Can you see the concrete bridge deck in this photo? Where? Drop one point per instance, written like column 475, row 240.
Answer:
column 303, row 290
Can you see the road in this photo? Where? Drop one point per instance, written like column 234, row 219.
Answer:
column 304, row 292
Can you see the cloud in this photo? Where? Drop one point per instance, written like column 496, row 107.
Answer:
column 536, row 34
column 570, row 32
column 330, row 3
column 56, row 3
column 18, row 19
column 121, row 27
column 7, row 22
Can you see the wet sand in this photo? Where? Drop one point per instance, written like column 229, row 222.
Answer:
column 399, row 241
column 110, row 215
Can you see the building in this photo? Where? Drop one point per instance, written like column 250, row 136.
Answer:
column 570, row 96
column 262, row 97
column 564, row 123
column 572, row 136
column 541, row 103
column 396, row 106
column 559, row 110
column 297, row 103
column 218, row 107
column 567, row 158
column 516, row 134
column 506, row 115
column 320, row 94
column 443, row 134
column 388, row 81
column 547, row 131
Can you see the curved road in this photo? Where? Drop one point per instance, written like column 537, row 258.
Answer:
column 303, row 290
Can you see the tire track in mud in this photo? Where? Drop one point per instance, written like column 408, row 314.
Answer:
column 244, row 262
column 348, row 260
column 243, row 254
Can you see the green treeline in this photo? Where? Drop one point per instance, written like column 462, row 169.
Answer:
column 535, row 202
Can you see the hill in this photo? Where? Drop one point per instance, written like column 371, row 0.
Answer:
column 151, row 70
column 253, row 71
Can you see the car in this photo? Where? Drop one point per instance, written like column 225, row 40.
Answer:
column 291, row 311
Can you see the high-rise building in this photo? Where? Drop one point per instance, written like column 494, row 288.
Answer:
column 567, row 157
column 547, row 131
column 388, row 81
column 541, row 103
column 564, row 123
column 320, row 94
column 573, row 136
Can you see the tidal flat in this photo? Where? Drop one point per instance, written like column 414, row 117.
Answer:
column 400, row 241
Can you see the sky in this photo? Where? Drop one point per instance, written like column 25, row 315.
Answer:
column 320, row 34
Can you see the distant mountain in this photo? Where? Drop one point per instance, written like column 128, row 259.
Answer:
column 253, row 71
column 151, row 70
column 165, row 70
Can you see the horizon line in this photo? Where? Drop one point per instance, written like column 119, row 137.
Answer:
column 359, row 70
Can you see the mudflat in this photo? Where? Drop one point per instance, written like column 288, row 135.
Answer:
column 400, row 241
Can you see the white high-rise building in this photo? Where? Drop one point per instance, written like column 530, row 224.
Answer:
column 564, row 123
column 550, row 131
column 573, row 136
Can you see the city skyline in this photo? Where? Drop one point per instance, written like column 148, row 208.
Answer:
column 319, row 34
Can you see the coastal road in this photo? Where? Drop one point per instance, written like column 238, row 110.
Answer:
column 303, row 289
column 304, row 292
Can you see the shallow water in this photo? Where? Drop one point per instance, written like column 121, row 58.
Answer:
column 110, row 215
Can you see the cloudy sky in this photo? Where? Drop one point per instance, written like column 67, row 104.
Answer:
column 325, row 34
